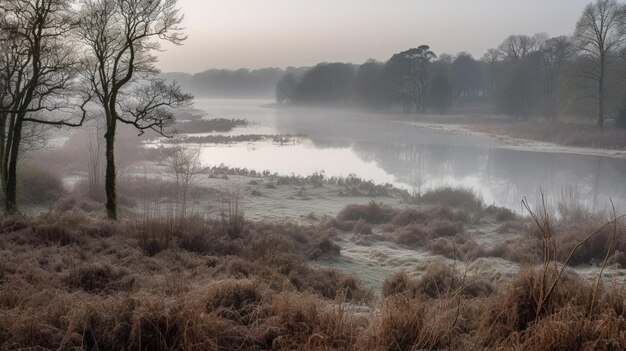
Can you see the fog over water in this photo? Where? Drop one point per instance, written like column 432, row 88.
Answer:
column 279, row 33
column 373, row 148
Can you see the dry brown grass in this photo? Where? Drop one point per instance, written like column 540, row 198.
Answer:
column 98, row 278
column 362, row 227
column 510, row 318
column 441, row 230
column 426, row 229
column 67, row 285
column 593, row 250
column 460, row 248
column 74, row 283
column 569, row 238
column 438, row 281
column 520, row 250
column 453, row 198
column 567, row 320
column 568, row 134
column 373, row 213
column 501, row 214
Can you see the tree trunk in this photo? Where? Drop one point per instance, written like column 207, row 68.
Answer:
column 601, row 97
column 3, row 139
column 109, row 178
column 10, row 196
column 7, row 149
column 184, row 202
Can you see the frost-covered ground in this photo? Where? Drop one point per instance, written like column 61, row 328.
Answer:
column 370, row 257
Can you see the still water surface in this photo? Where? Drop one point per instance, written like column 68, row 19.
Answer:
column 375, row 148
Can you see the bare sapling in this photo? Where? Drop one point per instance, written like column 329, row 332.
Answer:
column 232, row 212
column 183, row 167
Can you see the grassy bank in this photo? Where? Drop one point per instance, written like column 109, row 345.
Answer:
column 566, row 134
column 71, row 282
column 574, row 134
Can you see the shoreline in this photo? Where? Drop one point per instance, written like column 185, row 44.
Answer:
column 512, row 143
column 462, row 124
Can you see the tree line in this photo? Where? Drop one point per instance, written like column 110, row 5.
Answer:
column 222, row 83
column 525, row 76
column 63, row 62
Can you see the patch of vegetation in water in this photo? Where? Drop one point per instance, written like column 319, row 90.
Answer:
column 210, row 125
column 281, row 139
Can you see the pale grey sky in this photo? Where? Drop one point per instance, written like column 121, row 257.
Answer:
column 279, row 33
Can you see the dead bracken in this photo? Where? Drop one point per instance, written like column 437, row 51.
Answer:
column 103, row 286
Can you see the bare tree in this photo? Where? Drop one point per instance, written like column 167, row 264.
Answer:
column 519, row 85
column 95, row 162
column 183, row 167
column 600, row 34
column 491, row 58
column 517, row 47
column 120, row 37
column 555, row 53
column 37, row 74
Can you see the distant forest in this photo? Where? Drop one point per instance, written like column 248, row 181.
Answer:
column 525, row 76
column 241, row 83
column 582, row 75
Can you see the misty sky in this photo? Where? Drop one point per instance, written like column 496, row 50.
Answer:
column 279, row 33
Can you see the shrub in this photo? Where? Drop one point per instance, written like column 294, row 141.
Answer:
column 411, row 235
column 156, row 325
column 362, row 227
column 237, row 300
column 454, row 197
column 457, row 248
column 372, row 213
column 521, row 297
column 440, row 228
column 593, row 250
column 448, row 214
column 97, row 278
column 55, row 233
column 303, row 322
column 324, row 247
column 12, row 224
column 440, row 280
column 345, row 226
column 37, row 186
column 400, row 325
column 409, row 215
column 153, row 235
column 520, row 250
column 501, row 214
column 398, row 283
column 104, row 324
column 101, row 230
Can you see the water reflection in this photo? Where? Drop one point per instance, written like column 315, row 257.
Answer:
column 417, row 159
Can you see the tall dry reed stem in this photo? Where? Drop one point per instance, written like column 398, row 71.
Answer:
column 549, row 255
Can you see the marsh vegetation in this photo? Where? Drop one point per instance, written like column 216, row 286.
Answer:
column 427, row 201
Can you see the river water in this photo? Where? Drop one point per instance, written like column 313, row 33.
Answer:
column 376, row 148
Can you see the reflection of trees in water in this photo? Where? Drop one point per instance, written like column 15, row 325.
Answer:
column 589, row 180
column 508, row 175
column 418, row 157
